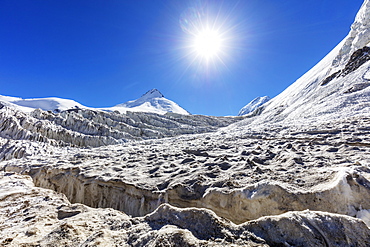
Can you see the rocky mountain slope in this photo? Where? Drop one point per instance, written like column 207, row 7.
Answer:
column 293, row 172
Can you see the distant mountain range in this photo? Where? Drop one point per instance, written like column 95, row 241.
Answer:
column 152, row 101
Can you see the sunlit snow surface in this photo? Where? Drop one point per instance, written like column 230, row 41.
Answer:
column 308, row 99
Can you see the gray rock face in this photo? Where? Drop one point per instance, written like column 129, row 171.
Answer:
column 357, row 59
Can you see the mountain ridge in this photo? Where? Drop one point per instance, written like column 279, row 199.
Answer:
column 337, row 86
column 152, row 101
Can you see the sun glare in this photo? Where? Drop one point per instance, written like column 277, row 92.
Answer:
column 209, row 37
column 207, row 44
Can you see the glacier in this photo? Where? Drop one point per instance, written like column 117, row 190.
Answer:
column 292, row 172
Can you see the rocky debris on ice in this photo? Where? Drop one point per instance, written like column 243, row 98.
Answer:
column 240, row 175
column 253, row 105
column 32, row 216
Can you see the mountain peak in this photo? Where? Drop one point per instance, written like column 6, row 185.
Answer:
column 153, row 101
column 253, row 105
column 153, row 93
column 336, row 87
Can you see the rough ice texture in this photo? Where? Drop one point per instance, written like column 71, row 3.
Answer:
column 90, row 128
column 152, row 185
column 239, row 175
column 32, row 216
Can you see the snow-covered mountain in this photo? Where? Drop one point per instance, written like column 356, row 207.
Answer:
column 152, row 101
column 253, row 105
column 46, row 104
column 338, row 86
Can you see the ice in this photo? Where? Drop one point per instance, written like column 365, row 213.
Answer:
column 295, row 172
column 364, row 214
column 36, row 216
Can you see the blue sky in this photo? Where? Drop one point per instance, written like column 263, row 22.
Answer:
column 102, row 53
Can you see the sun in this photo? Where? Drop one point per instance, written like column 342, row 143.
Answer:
column 209, row 37
column 207, row 44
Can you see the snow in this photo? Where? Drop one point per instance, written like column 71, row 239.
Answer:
column 153, row 101
column 253, row 105
column 367, row 75
column 308, row 100
column 49, row 104
column 308, row 148
column 364, row 214
column 46, row 104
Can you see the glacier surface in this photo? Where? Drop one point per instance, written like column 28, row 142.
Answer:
column 293, row 172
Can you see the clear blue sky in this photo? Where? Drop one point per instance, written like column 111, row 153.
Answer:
column 102, row 53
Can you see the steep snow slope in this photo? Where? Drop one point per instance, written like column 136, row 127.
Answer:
column 253, row 105
column 337, row 86
column 152, row 101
